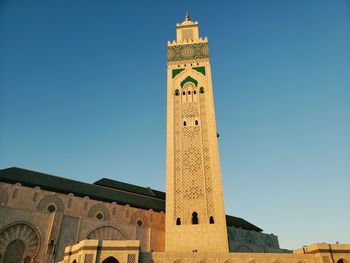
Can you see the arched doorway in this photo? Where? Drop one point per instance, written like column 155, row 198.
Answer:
column 110, row 260
column 14, row 251
column 340, row 261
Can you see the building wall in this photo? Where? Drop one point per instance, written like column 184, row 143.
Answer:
column 123, row 252
column 24, row 210
column 225, row 258
column 242, row 240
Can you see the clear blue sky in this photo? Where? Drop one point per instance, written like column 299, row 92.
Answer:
column 83, row 96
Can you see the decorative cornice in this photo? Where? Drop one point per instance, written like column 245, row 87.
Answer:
column 187, row 41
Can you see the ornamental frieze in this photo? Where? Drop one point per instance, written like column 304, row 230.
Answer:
column 188, row 52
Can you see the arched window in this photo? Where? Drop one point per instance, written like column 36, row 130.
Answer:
column 51, row 208
column 178, row 221
column 194, row 218
column 184, row 123
column 14, row 251
column 194, row 92
column 211, row 220
column 110, row 260
column 183, row 93
column 51, row 247
column 340, row 261
column 196, row 122
column 139, row 223
column 99, row 216
column 189, row 92
column 74, row 261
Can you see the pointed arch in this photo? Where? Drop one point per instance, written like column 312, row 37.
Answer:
column 188, row 79
column 107, row 233
column 195, row 220
column 14, row 251
column 13, row 235
column 110, row 260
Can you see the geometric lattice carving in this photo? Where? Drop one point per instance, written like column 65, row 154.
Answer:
column 188, row 52
column 131, row 258
column 23, row 232
column 193, row 183
column 189, row 110
column 178, row 163
column 51, row 200
column 97, row 210
column 139, row 218
column 88, row 258
column 3, row 196
column 107, row 233
column 193, row 178
column 206, row 157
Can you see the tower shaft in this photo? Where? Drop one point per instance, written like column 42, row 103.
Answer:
column 195, row 215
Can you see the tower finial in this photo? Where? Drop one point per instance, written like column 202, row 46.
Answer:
column 187, row 17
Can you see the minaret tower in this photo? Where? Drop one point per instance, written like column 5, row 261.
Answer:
column 195, row 214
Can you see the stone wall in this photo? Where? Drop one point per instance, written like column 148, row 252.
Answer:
column 52, row 221
column 225, row 258
column 242, row 240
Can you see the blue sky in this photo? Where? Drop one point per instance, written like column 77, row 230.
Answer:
column 83, row 96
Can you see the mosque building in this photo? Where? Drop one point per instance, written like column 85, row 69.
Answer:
column 46, row 218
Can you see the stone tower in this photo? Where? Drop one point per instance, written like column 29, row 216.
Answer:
column 195, row 214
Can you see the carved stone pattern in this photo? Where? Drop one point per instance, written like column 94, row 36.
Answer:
column 3, row 196
column 99, row 208
column 178, row 174
column 107, row 233
column 193, row 182
column 188, row 52
column 189, row 110
column 131, row 258
column 139, row 215
column 24, row 232
column 206, row 156
column 49, row 200
column 88, row 258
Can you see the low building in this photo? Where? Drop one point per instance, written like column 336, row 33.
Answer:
column 41, row 214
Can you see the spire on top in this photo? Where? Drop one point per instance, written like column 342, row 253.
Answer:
column 187, row 17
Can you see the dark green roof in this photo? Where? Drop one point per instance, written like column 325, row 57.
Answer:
column 104, row 190
column 240, row 222
column 64, row 185
column 147, row 191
